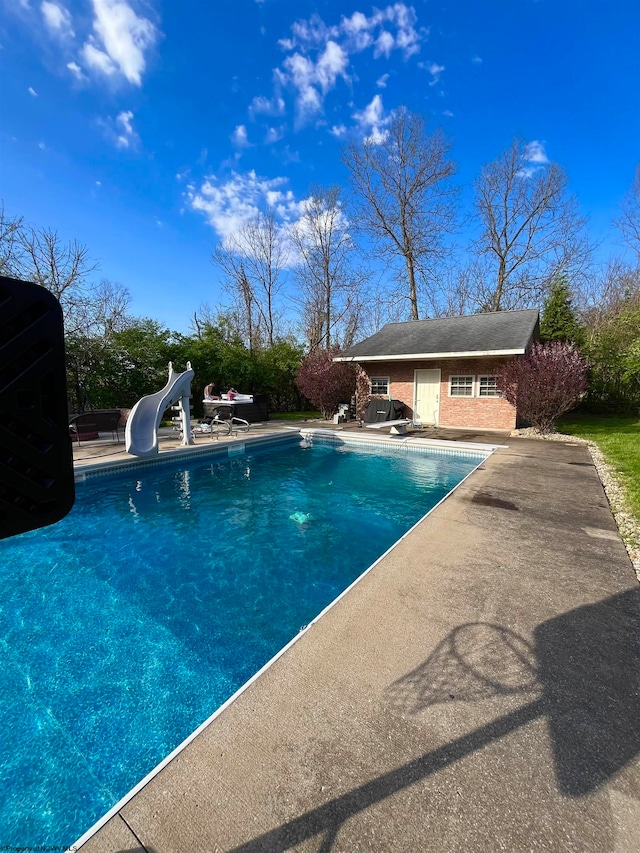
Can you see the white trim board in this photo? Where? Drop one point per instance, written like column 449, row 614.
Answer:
column 425, row 356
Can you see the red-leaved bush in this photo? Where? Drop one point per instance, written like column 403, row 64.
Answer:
column 545, row 383
column 324, row 382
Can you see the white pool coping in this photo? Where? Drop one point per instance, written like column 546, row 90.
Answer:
column 468, row 448
column 408, row 442
column 89, row 470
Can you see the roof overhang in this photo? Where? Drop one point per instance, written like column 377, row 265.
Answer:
column 425, row 356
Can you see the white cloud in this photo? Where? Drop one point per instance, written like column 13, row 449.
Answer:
column 534, row 153
column 338, row 130
column 302, row 75
column 125, row 135
column 381, row 82
column 273, row 197
column 319, row 54
column 121, row 39
column 274, row 134
column 98, row 60
column 75, row 69
column 98, row 183
column 356, row 23
column 331, row 64
column 228, row 205
column 239, row 137
column 447, row 113
column 477, row 60
column 124, row 118
column 42, row 146
column 372, row 113
column 269, row 106
column 325, row 217
column 57, row 18
column 376, row 28
column 32, row 92
column 434, row 69
column 289, row 156
column 313, row 80
column 117, row 42
column 536, row 156
column 384, row 44
column 311, row 33
column 408, row 38
column 372, row 121
column 358, row 30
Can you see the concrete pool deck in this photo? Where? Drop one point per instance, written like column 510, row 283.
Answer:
column 478, row 690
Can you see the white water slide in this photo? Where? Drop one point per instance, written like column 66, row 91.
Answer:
column 141, row 432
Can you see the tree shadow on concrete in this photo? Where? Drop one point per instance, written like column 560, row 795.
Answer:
column 581, row 674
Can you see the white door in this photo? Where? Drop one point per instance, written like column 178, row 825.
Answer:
column 427, row 396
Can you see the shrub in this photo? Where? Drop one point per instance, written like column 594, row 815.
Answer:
column 545, row 383
column 324, row 382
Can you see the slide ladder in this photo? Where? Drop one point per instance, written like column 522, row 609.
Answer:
column 141, row 432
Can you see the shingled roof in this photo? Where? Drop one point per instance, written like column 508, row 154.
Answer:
column 501, row 333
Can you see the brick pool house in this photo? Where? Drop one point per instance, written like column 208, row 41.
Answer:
column 444, row 370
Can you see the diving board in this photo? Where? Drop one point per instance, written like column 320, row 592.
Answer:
column 398, row 427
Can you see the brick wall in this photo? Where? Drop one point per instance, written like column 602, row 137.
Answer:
column 478, row 412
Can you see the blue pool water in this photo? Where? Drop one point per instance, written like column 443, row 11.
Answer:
column 125, row 626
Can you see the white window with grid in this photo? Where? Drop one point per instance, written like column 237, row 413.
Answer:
column 461, row 386
column 380, row 386
column 488, row 386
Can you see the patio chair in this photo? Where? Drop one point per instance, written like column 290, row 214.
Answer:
column 225, row 422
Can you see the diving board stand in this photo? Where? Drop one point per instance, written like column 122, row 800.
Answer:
column 398, row 427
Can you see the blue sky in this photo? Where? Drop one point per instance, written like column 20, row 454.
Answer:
column 149, row 130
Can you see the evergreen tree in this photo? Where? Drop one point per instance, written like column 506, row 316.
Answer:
column 559, row 321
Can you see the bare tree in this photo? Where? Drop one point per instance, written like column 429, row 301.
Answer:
column 97, row 313
column 460, row 286
column 611, row 290
column 531, row 228
column 53, row 264
column 90, row 310
column 206, row 318
column 93, row 312
column 42, row 257
column 629, row 221
column 376, row 311
column 64, row 269
column 103, row 310
column 11, row 252
column 405, row 200
column 329, row 284
column 253, row 260
column 244, row 304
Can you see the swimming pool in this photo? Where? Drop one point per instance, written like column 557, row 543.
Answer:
column 126, row 625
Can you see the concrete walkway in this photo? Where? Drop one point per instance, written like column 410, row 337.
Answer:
column 479, row 690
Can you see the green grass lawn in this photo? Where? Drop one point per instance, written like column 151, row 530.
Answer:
column 618, row 437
